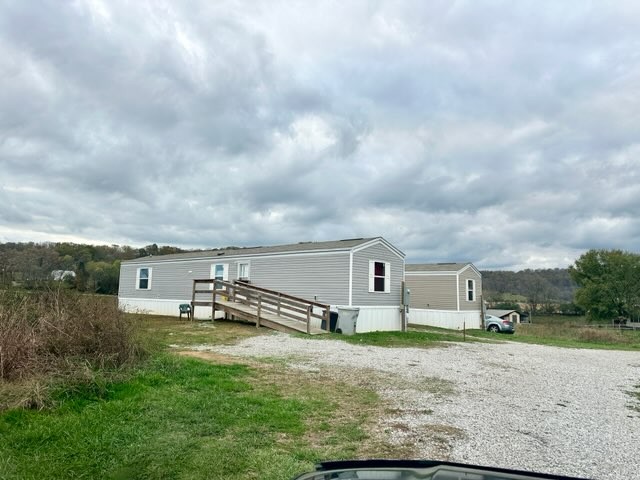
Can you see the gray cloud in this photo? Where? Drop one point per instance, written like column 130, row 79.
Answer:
column 498, row 133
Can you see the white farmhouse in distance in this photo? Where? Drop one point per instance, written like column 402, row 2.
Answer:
column 59, row 275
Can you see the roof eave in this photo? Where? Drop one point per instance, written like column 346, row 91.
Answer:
column 151, row 259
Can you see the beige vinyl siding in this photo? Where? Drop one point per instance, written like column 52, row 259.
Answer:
column 470, row 273
column 379, row 253
column 437, row 292
column 323, row 275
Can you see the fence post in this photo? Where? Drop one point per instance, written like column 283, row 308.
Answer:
column 259, row 309
column 193, row 300
column 213, row 302
column 327, row 316
column 309, row 319
column 279, row 302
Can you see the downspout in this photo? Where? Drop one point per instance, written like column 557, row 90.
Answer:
column 405, row 308
column 350, row 278
column 458, row 290
column 482, row 311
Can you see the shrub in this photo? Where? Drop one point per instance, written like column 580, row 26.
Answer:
column 57, row 332
column 601, row 335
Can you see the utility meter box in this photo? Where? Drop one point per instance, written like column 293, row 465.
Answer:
column 406, row 298
column 347, row 320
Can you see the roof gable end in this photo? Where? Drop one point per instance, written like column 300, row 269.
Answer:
column 379, row 241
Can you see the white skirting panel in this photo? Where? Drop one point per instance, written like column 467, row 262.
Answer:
column 153, row 306
column 375, row 319
column 445, row 318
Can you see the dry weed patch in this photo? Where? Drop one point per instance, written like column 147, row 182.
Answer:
column 55, row 331
column 56, row 339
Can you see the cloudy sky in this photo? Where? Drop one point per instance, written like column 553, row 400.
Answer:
column 503, row 133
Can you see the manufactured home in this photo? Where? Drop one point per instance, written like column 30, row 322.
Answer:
column 363, row 273
column 446, row 295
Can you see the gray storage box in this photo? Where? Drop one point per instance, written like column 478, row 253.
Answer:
column 347, row 320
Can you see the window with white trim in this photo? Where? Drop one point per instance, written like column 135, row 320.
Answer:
column 143, row 278
column 471, row 290
column 243, row 271
column 379, row 276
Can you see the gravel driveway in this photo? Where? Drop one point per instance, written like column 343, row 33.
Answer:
column 512, row 405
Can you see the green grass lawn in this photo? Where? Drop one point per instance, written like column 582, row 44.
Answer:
column 413, row 338
column 567, row 332
column 164, row 331
column 173, row 332
column 177, row 417
column 571, row 334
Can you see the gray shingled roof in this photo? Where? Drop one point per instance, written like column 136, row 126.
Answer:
column 499, row 313
column 235, row 252
column 435, row 267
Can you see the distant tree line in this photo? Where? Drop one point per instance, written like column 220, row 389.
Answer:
column 547, row 291
column 96, row 268
column 602, row 284
column 540, row 286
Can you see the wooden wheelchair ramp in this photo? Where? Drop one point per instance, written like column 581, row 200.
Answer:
column 264, row 307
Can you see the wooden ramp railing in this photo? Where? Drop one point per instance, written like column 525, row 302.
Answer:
column 263, row 306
